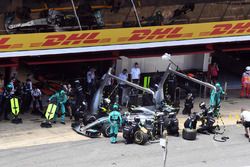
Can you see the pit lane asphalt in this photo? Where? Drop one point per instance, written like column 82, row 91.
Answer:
column 30, row 133
column 204, row 152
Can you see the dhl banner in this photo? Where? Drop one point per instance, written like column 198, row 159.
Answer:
column 74, row 39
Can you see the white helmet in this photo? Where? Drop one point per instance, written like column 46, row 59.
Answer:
column 107, row 100
column 248, row 68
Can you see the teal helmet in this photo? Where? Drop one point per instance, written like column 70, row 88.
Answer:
column 115, row 107
column 62, row 92
column 9, row 87
column 217, row 85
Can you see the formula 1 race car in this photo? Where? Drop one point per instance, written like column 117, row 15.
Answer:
column 52, row 21
column 155, row 120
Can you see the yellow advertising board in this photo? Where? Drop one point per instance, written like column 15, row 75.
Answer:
column 74, row 39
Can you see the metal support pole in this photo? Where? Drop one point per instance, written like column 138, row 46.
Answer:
column 225, row 90
column 77, row 18
column 177, row 89
column 200, row 90
column 224, row 13
column 136, row 13
column 193, row 79
column 205, row 92
column 202, row 10
column 126, row 18
column 246, row 14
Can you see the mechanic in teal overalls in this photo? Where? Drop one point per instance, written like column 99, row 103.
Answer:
column 61, row 99
column 115, row 121
column 215, row 99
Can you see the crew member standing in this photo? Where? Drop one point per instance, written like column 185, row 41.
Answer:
column 171, row 86
column 108, row 88
column 215, row 99
column 78, row 91
column 245, row 83
column 27, row 95
column 12, row 81
column 7, row 95
column 189, row 104
column 115, row 121
column 214, row 72
column 135, row 73
column 60, row 98
column 1, row 90
column 69, row 92
column 122, row 85
column 37, row 97
column 90, row 84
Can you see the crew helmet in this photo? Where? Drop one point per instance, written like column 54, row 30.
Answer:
column 62, row 92
column 202, row 104
column 248, row 68
column 115, row 107
column 9, row 87
column 106, row 101
column 217, row 85
column 77, row 81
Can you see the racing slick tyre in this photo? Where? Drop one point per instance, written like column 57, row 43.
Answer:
column 106, row 130
column 189, row 134
column 140, row 137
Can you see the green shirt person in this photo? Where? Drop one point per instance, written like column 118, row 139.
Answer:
column 115, row 121
column 61, row 99
column 215, row 99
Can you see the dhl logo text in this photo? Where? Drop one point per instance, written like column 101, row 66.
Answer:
column 122, row 36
